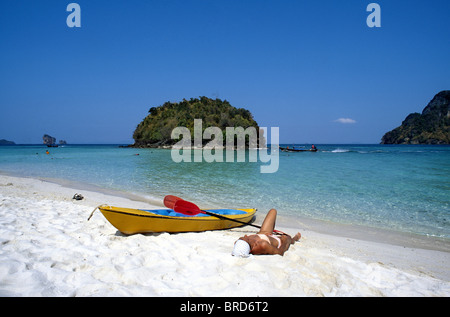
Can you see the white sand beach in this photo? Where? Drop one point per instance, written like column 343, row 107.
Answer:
column 48, row 248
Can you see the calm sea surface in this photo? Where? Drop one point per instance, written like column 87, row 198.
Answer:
column 402, row 188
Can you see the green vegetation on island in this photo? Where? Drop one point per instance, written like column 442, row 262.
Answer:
column 156, row 128
column 432, row 126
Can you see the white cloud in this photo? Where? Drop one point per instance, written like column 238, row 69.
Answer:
column 345, row 120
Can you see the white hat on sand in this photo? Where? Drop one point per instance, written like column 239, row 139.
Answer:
column 241, row 249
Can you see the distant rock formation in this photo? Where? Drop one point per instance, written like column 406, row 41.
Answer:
column 6, row 142
column 48, row 140
column 430, row 127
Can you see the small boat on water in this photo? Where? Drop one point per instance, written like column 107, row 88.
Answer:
column 287, row 149
column 131, row 221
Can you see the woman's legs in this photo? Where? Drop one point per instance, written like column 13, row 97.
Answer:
column 268, row 224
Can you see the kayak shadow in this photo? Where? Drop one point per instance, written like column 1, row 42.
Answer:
column 147, row 234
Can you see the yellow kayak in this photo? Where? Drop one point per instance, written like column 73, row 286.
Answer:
column 130, row 221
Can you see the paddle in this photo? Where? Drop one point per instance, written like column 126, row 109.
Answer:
column 190, row 209
column 169, row 201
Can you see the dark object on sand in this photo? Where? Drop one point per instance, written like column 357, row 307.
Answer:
column 78, row 197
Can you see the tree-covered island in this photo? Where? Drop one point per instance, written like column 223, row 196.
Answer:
column 432, row 126
column 156, row 128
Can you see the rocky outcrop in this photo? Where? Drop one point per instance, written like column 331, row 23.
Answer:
column 432, row 126
column 6, row 142
column 48, row 140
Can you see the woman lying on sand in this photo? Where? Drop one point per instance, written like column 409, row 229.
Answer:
column 264, row 242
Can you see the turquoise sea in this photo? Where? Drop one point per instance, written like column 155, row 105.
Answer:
column 401, row 188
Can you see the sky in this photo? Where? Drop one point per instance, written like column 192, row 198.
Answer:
column 312, row 68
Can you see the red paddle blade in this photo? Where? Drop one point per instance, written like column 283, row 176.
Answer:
column 170, row 200
column 186, row 208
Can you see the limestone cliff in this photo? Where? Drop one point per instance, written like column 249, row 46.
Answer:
column 48, row 140
column 432, row 126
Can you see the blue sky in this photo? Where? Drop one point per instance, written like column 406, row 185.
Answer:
column 296, row 65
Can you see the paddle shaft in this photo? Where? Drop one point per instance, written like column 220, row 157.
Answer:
column 235, row 220
column 226, row 218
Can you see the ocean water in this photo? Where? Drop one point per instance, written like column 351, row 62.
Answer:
column 401, row 188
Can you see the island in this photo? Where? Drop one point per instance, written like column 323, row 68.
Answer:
column 155, row 130
column 49, row 140
column 432, row 126
column 6, row 142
